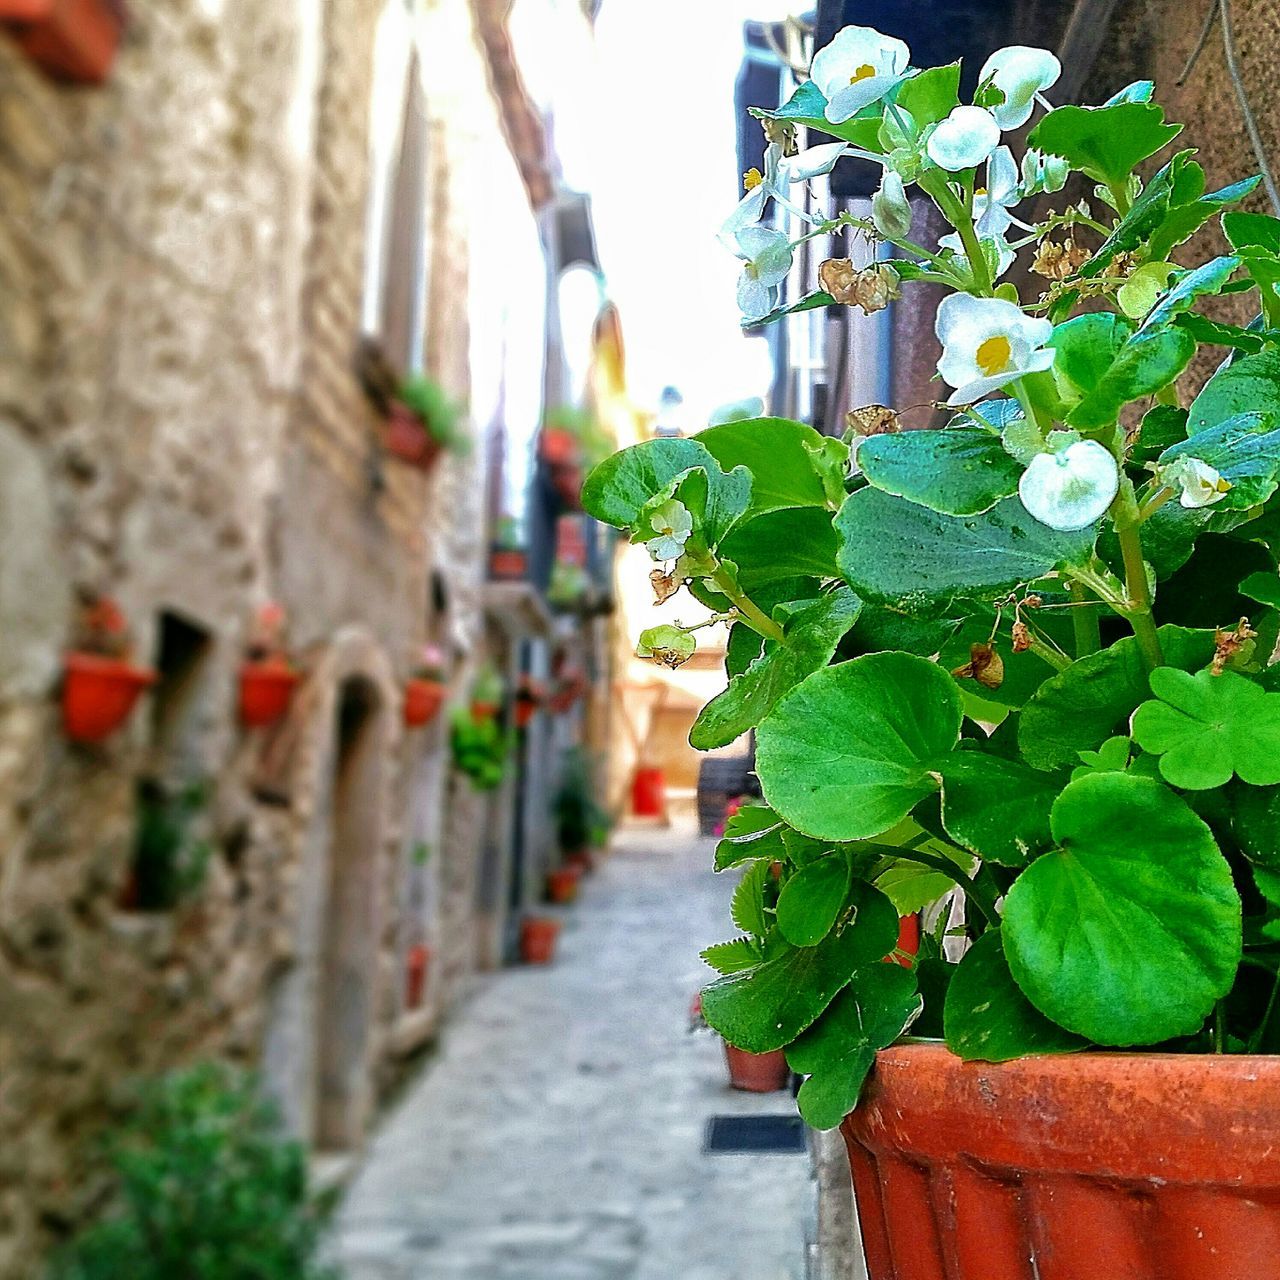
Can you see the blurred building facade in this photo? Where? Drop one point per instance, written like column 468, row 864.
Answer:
column 215, row 266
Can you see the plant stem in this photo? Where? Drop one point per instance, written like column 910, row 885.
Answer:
column 1121, row 197
column 1219, row 1029
column 1084, row 620
column 956, row 214
column 753, row 616
column 1137, row 590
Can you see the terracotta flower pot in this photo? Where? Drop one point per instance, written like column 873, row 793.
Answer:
column 757, row 1072
column 422, row 701
column 417, row 966
column 538, row 935
column 482, row 710
column 558, row 447
column 567, row 482
column 407, row 439
column 525, row 711
column 507, row 565
column 562, row 885
column 73, row 40
column 98, row 694
column 581, row 860
column 1097, row 1166
column 266, row 689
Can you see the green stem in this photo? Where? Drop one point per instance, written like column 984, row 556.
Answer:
column 1219, row 1029
column 1124, row 511
column 1121, row 197
column 1058, row 661
column 1084, row 620
column 753, row 616
column 956, row 214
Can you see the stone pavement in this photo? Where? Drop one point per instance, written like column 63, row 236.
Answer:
column 558, row 1133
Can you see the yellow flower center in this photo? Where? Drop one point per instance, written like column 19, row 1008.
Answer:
column 864, row 72
column 980, row 191
column 993, row 355
column 752, row 179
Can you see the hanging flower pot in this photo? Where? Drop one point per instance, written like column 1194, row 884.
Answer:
column 266, row 689
column 525, row 710
column 757, row 1072
column 558, row 447
column 538, row 935
column 417, row 967
column 409, row 440
column 422, row 701
column 98, row 693
column 562, row 885
column 567, row 482
column 73, row 40
column 507, row 564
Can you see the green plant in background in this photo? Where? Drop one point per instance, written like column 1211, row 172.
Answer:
column 207, row 1190
column 489, row 687
column 581, row 823
column 1027, row 655
column 594, row 441
column 481, row 748
column 443, row 418
column 569, row 583
column 169, row 860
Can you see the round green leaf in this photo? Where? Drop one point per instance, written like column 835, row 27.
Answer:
column 1205, row 728
column 849, row 752
column 779, row 455
column 987, row 1018
column 796, row 542
column 996, row 808
column 811, row 900
column 1130, row 931
column 624, row 483
column 960, row 471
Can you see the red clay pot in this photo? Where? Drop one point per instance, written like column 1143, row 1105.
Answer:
column 507, row 565
column 484, row 710
column 417, row 965
column 1096, row 1166
column 562, row 885
column 74, row 40
column 558, row 447
column 266, row 689
column 567, row 482
column 525, row 709
column 422, row 701
column 407, row 439
column 757, row 1072
column 581, row 860
column 649, row 793
column 98, row 694
column 538, row 936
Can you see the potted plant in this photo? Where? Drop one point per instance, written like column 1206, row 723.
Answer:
column 426, row 689
column 267, row 678
column 538, row 938
column 562, row 884
column 417, row 967
column 480, row 749
column 508, row 558
column 579, row 819
column 487, row 693
column 748, row 1072
column 1022, row 660
column 100, row 682
column 423, row 422
column 72, row 40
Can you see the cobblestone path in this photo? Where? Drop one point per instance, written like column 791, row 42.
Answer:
column 558, row 1133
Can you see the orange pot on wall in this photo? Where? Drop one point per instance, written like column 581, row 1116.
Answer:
column 417, row 966
column 422, row 702
column 98, row 694
column 757, row 1072
column 74, row 40
column 408, row 440
column 1090, row 1166
column 266, row 689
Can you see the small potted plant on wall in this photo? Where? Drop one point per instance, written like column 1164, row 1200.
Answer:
column 508, row 558
column 426, row 689
column 530, row 695
column 480, row 749
column 72, row 40
column 424, row 422
column 100, row 683
column 579, row 819
column 1025, row 659
column 486, row 693
column 267, row 678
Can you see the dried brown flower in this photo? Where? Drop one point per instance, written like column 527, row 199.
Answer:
column 665, row 585
column 1059, row 261
column 985, row 666
column 872, row 288
column 1230, row 644
column 873, row 420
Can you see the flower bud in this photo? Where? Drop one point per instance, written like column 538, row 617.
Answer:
column 890, row 208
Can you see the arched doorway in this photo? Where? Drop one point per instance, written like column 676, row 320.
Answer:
column 348, row 954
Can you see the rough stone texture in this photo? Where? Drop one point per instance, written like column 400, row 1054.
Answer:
column 181, row 428
column 558, row 1134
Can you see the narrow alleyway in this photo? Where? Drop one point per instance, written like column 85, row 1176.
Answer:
column 558, row 1134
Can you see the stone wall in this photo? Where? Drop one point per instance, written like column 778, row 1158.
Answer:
column 182, row 428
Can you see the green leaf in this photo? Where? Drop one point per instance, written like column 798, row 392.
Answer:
column 732, row 956
column 932, row 95
column 1164, row 426
column 998, row 809
column 1244, row 450
column 1186, row 219
column 911, row 887
column 626, row 482
column 792, row 543
column 810, row 302
column 747, row 908
column 987, row 1018
column 1212, row 333
column 1204, row 281
column 767, row 844
column 1146, row 363
column 898, row 553
column 1262, row 586
column 838, row 1051
column 1112, row 757
column 1255, row 823
column 810, row 640
column 1107, row 143
column 666, row 643
column 1086, row 348
column 1205, row 728
column 811, row 900
column 777, row 453
column 1250, row 385
column 1256, row 237
column 764, row 1008
column 1131, row 931
column 959, row 471
column 716, row 499
column 849, row 752
column 1081, row 707
column 807, row 106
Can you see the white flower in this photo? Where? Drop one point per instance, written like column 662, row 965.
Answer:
column 813, row 162
column 890, row 208
column 992, row 203
column 1201, row 484
column 673, row 524
column 856, row 69
column 1041, row 172
column 779, row 173
column 986, row 343
column 1019, row 72
column 766, row 260
column 1072, row 488
column 964, row 139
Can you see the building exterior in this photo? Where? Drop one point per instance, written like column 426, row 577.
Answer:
column 214, row 266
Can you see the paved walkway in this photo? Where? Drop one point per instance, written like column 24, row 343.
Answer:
column 558, row 1134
